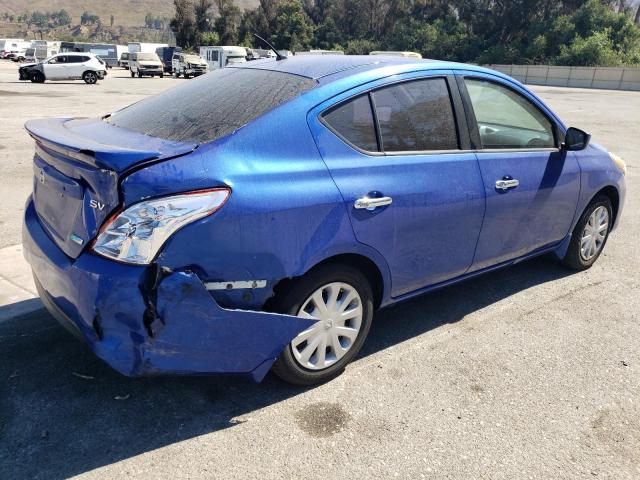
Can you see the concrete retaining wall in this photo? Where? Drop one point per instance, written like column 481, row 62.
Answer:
column 613, row 78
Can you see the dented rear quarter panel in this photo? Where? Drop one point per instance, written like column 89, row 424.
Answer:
column 145, row 324
column 285, row 213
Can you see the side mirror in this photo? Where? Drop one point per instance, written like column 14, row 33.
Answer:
column 575, row 139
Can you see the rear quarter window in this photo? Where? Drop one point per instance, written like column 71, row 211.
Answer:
column 353, row 120
column 211, row 106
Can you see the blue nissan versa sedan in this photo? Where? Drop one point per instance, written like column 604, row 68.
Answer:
column 255, row 218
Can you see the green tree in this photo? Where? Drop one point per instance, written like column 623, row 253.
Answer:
column 360, row 47
column 227, row 24
column 61, row 18
column 294, row 30
column 183, row 24
column 595, row 50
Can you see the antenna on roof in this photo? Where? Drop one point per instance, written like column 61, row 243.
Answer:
column 279, row 56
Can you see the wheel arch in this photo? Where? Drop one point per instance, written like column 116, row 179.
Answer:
column 613, row 194
column 367, row 266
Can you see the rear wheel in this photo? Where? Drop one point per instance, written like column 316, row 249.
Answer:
column 139, row 74
column 37, row 77
column 590, row 234
column 340, row 298
column 90, row 77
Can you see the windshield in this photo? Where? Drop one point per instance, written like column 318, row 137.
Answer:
column 212, row 106
column 231, row 60
column 147, row 57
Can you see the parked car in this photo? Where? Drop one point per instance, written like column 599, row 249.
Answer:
column 11, row 47
column 145, row 63
column 165, row 54
column 30, row 55
column 124, row 60
column 188, row 64
column 65, row 66
column 19, row 56
column 186, row 236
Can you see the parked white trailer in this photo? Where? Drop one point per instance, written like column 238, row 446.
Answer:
column 397, row 54
column 14, row 46
column 135, row 47
column 220, row 57
column 321, row 52
column 6, row 43
column 120, row 49
column 45, row 49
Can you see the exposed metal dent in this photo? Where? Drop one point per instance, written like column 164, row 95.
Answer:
column 191, row 334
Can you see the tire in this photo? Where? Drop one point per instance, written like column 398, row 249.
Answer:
column 90, row 78
column 133, row 74
column 187, row 76
column 162, row 75
column 330, row 278
column 579, row 256
column 37, row 77
column 139, row 74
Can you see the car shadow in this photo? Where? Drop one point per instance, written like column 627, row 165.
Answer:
column 63, row 412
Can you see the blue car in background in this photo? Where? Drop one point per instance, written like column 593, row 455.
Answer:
column 255, row 218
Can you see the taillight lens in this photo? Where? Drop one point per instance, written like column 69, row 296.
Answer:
column 137, row 234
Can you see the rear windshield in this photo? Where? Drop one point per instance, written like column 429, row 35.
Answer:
column 211, row 106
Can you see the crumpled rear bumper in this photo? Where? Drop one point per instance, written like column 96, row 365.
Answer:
column 146, row 321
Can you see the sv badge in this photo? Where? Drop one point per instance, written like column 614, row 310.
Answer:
column 96, row 204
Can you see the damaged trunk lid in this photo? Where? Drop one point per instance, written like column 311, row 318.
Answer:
column 77, row 168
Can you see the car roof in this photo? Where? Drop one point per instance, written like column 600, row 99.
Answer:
column 331, row 67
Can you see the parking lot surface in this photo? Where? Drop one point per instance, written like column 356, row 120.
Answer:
column 528, row 372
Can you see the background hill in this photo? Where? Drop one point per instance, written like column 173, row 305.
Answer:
column 126, row 12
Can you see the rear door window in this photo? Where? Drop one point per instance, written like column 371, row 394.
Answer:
column 416, row 115
column 353, row 121
column 213, row 105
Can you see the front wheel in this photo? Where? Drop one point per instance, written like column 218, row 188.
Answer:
column 90, row 77
column 133, row 74
column 340, row 298
column 590, row 234
column 37, row 77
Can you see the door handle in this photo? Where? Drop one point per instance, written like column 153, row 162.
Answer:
column 372, row 203
column 507, row 183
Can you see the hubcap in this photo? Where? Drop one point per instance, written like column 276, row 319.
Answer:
column 594, row 233
column 338, row 309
